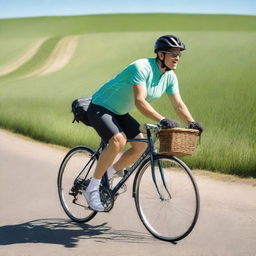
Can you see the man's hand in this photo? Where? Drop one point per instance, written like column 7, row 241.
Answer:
column 168, row 123
column 197, row 126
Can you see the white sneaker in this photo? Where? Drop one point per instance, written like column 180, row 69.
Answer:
column 93, row 200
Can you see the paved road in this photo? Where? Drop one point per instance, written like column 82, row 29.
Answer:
column 33, row 223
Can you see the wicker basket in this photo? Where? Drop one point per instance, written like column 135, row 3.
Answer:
column 178, row 141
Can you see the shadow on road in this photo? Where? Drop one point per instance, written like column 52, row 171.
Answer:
column 66, row 233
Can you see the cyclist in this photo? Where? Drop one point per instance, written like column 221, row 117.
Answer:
column 138, row 84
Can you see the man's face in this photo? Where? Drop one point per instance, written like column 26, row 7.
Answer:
column 172, row 56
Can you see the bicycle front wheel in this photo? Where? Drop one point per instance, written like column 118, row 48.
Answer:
column 166, row 198
column 76, row 169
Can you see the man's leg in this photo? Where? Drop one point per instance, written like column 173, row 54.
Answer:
column 115, row 146
column 107, row 157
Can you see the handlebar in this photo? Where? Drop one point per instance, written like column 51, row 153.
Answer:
column 153, row 127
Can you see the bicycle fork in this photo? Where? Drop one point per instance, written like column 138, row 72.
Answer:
column 153, row 171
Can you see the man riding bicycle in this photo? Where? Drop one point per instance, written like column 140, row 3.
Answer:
column 138, row 84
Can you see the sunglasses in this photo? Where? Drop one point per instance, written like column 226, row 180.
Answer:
column 173, row 54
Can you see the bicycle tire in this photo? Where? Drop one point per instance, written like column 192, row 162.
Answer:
column 174, row 216
column 76, row 164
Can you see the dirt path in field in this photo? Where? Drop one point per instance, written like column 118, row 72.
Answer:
column 60, row 57
column 32, row 221
column 32, row 50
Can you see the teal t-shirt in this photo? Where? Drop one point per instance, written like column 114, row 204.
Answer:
column 117, row 94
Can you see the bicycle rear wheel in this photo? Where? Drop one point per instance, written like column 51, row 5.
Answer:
column 76, row 169
column 167, row 198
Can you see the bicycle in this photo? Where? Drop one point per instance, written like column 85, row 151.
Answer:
column 165, row 192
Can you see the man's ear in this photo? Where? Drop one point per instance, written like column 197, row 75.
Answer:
column 160, row 55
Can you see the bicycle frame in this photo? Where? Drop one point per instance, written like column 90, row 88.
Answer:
column 154, row 171
column 150, row 151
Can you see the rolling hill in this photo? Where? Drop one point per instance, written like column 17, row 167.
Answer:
column 47, row 62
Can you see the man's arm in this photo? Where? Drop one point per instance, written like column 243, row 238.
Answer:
column 140, row 94
column 180, row 108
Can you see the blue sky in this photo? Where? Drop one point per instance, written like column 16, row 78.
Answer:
column 30, row 8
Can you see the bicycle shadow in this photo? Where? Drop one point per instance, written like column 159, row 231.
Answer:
column 66, row 233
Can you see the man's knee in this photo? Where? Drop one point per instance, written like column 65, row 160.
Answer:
column 118, row 141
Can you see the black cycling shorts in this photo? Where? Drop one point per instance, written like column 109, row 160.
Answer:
column 107, row 123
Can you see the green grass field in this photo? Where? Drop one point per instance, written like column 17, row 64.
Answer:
column 216, row 76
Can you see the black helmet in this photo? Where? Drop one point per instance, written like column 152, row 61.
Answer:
column 164, row 43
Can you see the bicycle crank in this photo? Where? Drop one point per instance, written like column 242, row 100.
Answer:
column 106, row 199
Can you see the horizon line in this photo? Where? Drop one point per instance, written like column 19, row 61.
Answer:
column 123, row 13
